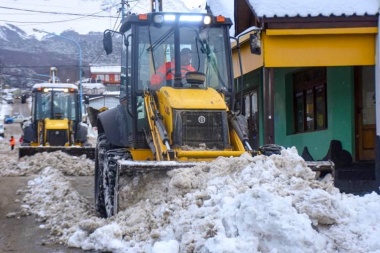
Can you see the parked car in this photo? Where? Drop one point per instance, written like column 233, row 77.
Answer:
column 2, row 130
column 14, row 119
column 19, row 118
column 8, row 119
column 9, row 99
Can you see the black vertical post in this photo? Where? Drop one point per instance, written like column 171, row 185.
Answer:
column 268, row 105
column 156, row 5
column 377, row 165
column 377, row 111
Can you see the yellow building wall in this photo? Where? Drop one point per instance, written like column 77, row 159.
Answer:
column 319, row 47
column 308, row 47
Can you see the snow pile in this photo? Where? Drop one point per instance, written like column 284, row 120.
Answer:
column 51, row 197
column 29, row 165
column 245, row 204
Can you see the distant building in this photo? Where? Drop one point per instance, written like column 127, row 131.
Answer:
column 107, row 75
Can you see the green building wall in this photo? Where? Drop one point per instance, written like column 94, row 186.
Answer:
column 340, row 113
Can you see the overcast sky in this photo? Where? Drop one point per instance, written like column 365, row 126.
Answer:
column 49, row 15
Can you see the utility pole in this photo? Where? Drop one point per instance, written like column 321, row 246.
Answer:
column 122, row 10
column 156, row 5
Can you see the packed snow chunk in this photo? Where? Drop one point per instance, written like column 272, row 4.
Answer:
column 322, row 207
column 220, row 243
column 77, row 239
column 170, row 246
column 278, row 223
column 106, row 238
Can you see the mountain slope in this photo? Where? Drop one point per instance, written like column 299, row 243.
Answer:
column 24, row 58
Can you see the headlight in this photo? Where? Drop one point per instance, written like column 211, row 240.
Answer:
column 190, row 18
column 185, row 18
column 207, row 20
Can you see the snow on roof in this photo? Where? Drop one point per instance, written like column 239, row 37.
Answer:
column 225, row 8
column 55, row 85
column 305, row 8
column 105, row 69
column 112, row 93
column 93, row 85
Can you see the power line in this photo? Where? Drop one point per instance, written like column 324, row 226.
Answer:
column 92, row 15
column 48, row 66
column 47, row 22
column 59, row 13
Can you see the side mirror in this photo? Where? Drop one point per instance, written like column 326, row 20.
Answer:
column 255, row 43
column 107, row 42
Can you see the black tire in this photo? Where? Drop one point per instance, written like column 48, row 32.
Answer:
column 106, row 176
column 102, row 146
column 110, row 179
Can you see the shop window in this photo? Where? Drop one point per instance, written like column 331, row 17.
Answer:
column 310, row 106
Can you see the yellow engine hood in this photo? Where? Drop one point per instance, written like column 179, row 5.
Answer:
column 58, row 124
column 191, row 98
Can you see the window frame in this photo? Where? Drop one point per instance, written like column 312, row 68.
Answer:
column 310, row 100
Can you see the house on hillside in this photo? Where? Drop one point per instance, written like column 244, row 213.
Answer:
column 314, row 79
column 107, row 75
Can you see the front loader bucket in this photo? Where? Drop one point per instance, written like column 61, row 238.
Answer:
column 125, row 166
column 92, row 115
column 71, row 150
column 133, row 180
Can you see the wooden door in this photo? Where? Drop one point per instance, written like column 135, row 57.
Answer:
column 365, row 120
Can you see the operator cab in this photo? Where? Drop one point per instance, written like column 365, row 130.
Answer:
column 55, row 101
column 154, row 47
column 158, row 39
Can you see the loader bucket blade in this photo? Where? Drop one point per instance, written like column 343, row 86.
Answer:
column 72, row 151
column 92, row 115
column 125, row 166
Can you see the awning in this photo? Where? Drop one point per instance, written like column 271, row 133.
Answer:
column 319, row 47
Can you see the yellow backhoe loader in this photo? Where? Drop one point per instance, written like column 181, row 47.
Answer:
column 55, row 123
column 186, row 119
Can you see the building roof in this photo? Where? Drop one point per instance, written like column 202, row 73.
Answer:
column 305, row 14
column 313, row 8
